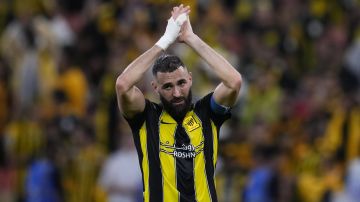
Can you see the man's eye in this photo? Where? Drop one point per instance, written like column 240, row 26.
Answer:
column 166, row 87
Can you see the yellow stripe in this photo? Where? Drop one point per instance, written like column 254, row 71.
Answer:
column 145, row 161
column 215, row 143
column 353, row 147
column 167, row 160
column 215, row 147
column 196, row 137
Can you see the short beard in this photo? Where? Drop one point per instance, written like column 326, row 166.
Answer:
column 177, row 112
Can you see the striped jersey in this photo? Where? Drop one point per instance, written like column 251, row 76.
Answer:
column 178, row 160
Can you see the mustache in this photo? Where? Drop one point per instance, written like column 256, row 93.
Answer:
column 176, row 111
column 178, row 99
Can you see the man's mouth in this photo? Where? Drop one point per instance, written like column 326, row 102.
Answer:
column 178, row 102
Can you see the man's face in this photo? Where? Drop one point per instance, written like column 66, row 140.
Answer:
column 174, row 89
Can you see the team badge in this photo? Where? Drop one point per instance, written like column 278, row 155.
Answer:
column 190, row 123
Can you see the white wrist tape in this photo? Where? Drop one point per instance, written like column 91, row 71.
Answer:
column 172, row 31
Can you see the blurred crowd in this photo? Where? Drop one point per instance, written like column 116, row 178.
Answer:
column 294, row 135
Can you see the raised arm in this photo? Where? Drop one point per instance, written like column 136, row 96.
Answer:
column 130, row 99
column 227, row 91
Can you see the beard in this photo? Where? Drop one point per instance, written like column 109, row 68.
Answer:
column 178, row 112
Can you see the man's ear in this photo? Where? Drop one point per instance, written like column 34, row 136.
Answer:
column 154, row 84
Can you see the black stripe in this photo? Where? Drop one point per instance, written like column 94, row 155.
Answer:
column 184, row 169
column 209, row 164
column 155, row 174
column 137, row 143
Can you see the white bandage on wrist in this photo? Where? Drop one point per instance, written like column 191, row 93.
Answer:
column 172, row 31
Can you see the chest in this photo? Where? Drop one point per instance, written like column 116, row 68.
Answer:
column 184, row 140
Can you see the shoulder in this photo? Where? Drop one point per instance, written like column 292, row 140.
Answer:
column 202, row 105
column 203, row 109
column 152, row 106
column 151, row 110
column 204, row 101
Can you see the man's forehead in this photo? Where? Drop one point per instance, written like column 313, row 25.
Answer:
column 178, row 74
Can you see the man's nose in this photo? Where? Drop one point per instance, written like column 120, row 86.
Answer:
column 176, row 92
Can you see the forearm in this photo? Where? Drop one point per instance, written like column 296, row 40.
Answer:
column 221, row 67
column 136, row 70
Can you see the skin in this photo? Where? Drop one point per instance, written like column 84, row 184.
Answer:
column 174, row 86
column 131, row 100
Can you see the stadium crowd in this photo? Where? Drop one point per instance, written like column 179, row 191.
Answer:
column 294, row 136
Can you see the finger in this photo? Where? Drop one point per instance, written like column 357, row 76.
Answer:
column 175, row 12
column 185, row 9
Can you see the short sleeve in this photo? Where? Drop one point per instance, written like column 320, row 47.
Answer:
column 204, row 105
column 137, row 121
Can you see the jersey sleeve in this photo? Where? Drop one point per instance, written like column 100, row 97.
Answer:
column 217, row 118
column 137, row 121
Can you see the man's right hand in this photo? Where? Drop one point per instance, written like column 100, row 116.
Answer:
column 186, row 32
column 179, row 15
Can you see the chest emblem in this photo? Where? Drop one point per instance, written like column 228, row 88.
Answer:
column 190, row 123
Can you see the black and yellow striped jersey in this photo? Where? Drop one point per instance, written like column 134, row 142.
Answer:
column 178, row 160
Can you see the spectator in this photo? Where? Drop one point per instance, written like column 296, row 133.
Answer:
column 120, row 176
